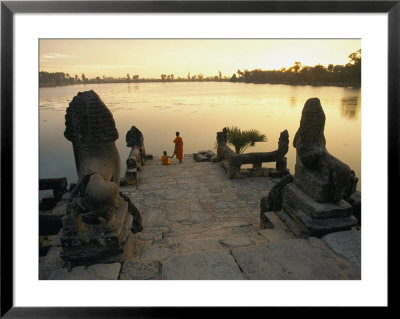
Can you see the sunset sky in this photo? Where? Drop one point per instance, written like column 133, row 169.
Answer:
column 149, row 58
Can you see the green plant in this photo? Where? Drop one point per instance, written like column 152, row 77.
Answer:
column 241, row 140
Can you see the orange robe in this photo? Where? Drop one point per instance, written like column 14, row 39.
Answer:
column 165, row 160
column 178, row 147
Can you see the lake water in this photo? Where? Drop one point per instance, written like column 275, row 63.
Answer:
column 198, row 110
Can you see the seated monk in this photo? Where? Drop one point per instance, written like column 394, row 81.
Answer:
column 165, row 159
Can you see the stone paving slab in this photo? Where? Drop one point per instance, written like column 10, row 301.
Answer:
column 94, row 272
column 346, row 244
column 50, row 263
column 158, row 253
column 210, row 265
column 293, row 259
column 198, row 245
column 135, row 270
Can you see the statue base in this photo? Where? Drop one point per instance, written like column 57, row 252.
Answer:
column 315, row 218
column 84, row 243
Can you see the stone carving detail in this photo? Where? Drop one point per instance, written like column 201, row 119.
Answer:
column 315, row 203
column 231, row 161
column 97, row 222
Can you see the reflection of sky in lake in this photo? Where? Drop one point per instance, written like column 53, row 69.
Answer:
column 198, row 111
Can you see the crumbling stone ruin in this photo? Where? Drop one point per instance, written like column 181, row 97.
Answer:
column 98, row 219
column 231, row 161
column 205, row 156
column 315, row 204
column 273, row 202
column 134, row 139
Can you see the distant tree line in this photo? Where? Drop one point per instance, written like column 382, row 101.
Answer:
column 349, row 74
column 195, row 77
column 299, row 74
column 61, row 78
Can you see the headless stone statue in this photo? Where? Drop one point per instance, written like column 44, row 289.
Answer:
column 322, row 176
column 97, row 222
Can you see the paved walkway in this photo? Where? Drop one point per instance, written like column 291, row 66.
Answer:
column 198, row 224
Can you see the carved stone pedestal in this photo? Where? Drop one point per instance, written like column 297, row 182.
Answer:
column 104, row 241
column 314, row 218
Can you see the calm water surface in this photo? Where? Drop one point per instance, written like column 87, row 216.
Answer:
column 198, row 111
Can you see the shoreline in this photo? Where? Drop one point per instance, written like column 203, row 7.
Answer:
column 338, row 84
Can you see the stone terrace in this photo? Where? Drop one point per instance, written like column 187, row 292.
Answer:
column 199, row 224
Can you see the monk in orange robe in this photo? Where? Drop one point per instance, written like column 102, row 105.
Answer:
column 165, row 159
column 178, row 147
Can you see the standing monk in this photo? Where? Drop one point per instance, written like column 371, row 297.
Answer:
column 178, row 147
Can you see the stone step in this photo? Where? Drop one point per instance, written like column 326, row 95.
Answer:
column 294, row 228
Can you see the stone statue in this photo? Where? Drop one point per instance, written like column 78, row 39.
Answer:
column 98, row 220
column 136, row 159
column 134, row 137
column 315, row 203
column 91, row 128
column 318, row 173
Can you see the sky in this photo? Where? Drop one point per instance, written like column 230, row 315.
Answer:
column 149, row 58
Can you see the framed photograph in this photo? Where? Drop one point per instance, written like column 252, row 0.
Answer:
column 193, row 67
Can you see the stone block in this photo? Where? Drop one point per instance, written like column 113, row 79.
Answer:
column 296, row 197
column 346, row 244
column 355, row 201
column 138, row 270
column 294, row 259
column 198, row 245
column 201, row 158
column 278, row 172
column 97, row 243
column 211, row 265
column 274, row 235
column 153, row 218
column 50, row 263
column 312, row 183
column 199, row 217
column 155, row 253
column 303, row 225
column 94, row 272
column 214, row 159
column 238, row 241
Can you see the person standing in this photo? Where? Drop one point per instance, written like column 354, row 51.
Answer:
column 178, row 147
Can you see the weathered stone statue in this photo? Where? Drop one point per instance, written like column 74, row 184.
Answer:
column 321, row 175
column 134, row 137
column 97, row 222
column 135, row 140
column 315, row 201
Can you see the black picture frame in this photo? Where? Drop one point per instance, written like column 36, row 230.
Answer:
column 9, row 8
